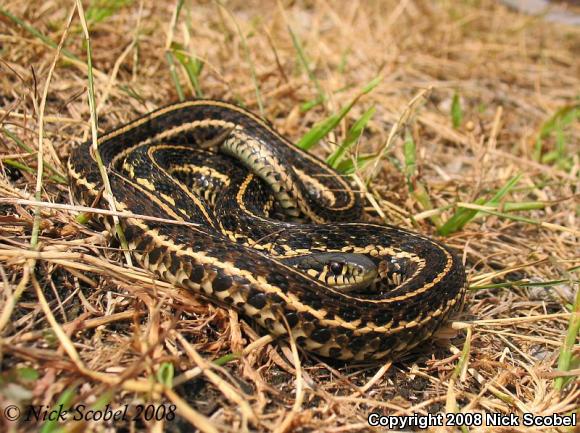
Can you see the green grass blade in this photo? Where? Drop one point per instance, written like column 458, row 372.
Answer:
column 523, row 206
column 370, row 86
column 320, row 130
column 422, row 196
column 20, row 166
column 66, row 399
column 410, row 155
column 561, row 119
column 165, row 374
column 343, row 61
column 567, row 360
column 522, row 283
column 100, row 10
column 459, row 219
column 309, row 105
column 463, row 216
column 395, row 131
column 174, row 77
column 223, row 360
column 58, row 176
column 456, row 112
column 352, row 137
column 102, row 400
column 45, row 39
column 27, row 374
column 131, row 92
column 416, row 188
column 538, row 145
column 486, row 209
column 192, row 65
column 349, row 166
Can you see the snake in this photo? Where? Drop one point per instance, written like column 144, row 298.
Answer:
column 221, row 204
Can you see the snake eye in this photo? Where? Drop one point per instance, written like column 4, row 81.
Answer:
column 336, row 268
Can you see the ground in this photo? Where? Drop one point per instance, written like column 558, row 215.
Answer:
column 468, row 113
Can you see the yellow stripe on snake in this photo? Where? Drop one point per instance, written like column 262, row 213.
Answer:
column 274, row 232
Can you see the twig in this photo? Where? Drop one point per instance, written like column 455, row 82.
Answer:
column 40, row 154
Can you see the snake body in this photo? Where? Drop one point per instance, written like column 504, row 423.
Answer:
column 234, row 251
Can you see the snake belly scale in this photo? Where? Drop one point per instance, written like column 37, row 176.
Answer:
column 233, row 251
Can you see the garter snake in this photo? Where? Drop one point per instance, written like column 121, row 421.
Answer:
column 235, row 252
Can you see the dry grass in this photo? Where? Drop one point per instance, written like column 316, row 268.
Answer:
column 79, row 326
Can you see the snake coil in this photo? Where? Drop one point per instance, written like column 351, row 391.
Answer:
column 235, row 252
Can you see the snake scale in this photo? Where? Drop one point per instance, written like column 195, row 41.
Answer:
column 271, row 231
